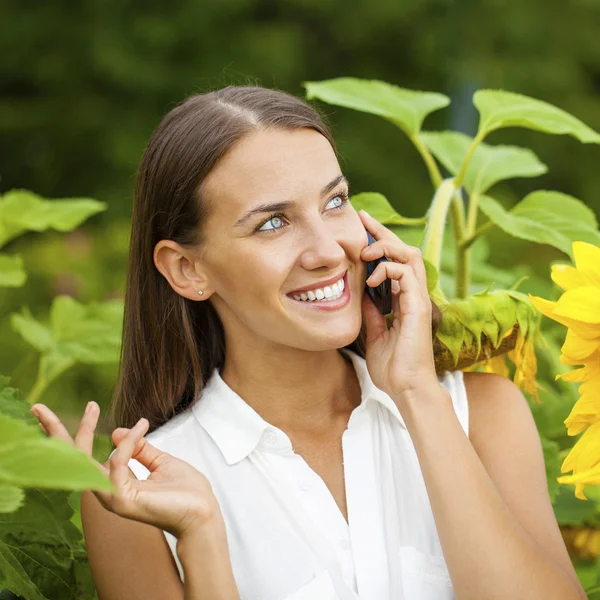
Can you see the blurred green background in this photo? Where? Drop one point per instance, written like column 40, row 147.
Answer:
column 84, row 84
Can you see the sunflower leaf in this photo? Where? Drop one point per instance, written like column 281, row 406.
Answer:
column 488, row 165
column 378, row 206
column 405, row 108
column 22, row 210
column 499, row 108
column 545, row 217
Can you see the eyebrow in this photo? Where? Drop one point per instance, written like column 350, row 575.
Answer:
column 275, row 206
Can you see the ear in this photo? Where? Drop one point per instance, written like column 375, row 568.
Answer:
column 183, row 269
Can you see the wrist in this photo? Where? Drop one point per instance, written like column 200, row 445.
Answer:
column 413, row 402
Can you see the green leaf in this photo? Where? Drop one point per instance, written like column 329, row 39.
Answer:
column 22, row 210
column 89, row 334
column 569, row 510
column 11, row 498
column 14, row 577
column 498, row 108
column 405, row 108
column 550, row 415
column 30, row 459
column 432, row 275
column 488, row 165
column 378, row 206
column 545, row 217
column 552, row 461
column 43, row 546
column 13, row 405
column 33, row 332
column 12, row 273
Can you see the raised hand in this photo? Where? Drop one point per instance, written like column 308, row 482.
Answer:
column 400, row 359
column 175, row 497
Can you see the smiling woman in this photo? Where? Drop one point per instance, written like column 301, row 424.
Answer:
column 288, row 456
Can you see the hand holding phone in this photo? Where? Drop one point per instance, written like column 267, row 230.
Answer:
column 381, row 294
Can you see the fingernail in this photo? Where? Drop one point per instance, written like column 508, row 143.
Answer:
column 366, row 213
column 34, row 411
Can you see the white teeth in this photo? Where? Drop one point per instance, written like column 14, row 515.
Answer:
column 329, row 292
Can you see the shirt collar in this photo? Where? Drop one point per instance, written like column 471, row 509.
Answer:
column 236, row 428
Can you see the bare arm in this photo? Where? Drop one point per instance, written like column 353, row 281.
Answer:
column 490, row 552
column 204, row 556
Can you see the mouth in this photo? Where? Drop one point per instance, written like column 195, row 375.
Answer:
column 328, row 298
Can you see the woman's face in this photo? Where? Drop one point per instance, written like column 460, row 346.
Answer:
column 254, row 260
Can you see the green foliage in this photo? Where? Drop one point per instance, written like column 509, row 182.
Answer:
column 76, row 333
column 546, row 218
column 498, row 108
column 42, row 554
column 405, row 108
column 489, row 164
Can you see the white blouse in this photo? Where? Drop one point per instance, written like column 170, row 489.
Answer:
column 287, row 538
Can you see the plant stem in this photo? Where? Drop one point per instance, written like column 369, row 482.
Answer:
column 436, row 222
column 463, row 265
column 472, row 215
column 459, row 179
column 470, row 240
column 40, row 385
column 434, row 172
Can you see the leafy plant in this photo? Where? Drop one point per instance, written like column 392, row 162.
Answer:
column 42, row 554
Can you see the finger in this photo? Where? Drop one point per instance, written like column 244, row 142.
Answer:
column 119, row 472
column 84, row 438
column 410, row 300
column 375, row 323
column 377, row 230
column 119, row 433
column 52, row 424
column 398, row 251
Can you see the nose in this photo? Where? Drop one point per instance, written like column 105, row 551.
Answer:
column 322, row 248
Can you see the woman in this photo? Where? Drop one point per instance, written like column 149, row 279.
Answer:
column 295, row 452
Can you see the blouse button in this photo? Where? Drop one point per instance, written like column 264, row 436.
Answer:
column 271, row 437
column 344, row 544
column 305, row 486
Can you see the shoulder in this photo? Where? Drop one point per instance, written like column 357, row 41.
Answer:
column 495, row 403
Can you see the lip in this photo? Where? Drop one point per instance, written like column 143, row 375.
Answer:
column 320, row 284
column 330, row 304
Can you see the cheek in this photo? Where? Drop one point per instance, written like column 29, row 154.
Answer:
column 251, row 275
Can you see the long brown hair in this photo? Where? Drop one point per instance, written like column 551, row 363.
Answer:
column 171, row 345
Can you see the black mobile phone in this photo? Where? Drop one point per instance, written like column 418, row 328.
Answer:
column 382, row 294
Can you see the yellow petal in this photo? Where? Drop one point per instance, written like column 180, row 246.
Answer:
column 577, row 348
column 587, row 260
column 497, row 364
column 585, row 454
column 572, row 376
column 549, row 309
column 568, row 277
column 546, row 307
column 581, row 304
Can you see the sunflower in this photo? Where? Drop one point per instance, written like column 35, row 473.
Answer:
column 578, row 309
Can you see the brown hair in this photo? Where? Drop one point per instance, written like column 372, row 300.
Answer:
column 171, row 345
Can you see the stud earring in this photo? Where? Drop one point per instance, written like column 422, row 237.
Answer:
column 200, row 292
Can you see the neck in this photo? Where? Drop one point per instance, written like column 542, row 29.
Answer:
column 292, row 389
